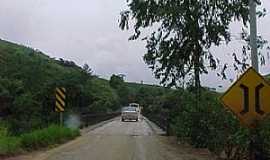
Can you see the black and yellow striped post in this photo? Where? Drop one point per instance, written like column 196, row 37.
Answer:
column 60, row 101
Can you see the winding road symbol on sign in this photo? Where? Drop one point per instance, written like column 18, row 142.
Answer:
column 248, row 98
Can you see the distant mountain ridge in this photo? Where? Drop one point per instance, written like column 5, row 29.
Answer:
column 7, row 47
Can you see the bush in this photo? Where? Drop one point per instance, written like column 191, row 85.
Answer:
column 10, row 145
column 48, row 136
column 3, row 130
column 35, row 140
column 208, row 125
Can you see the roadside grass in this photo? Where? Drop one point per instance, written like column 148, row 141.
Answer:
column 10, row 146
column 37, row 139
column 47, row 137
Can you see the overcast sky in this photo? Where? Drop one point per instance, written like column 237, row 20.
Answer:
column 86, row 31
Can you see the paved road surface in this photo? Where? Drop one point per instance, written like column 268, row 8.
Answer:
column 118, row 140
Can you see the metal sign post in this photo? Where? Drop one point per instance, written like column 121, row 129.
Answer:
column 253, row 34
column 61, row 118
column 254, row 60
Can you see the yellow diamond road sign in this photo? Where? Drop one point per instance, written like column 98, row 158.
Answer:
column 248, row 98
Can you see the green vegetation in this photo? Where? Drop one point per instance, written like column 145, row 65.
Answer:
column 10, row 145
column 48, row 136
column 182, row 34
column 28, row 79
column 268, row 77
column 117, row 83
column 209, row 125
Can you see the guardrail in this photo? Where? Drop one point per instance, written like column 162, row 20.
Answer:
column 91, row 119
column 161, row 121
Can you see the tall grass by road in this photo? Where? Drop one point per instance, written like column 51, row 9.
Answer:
column 35, row 140
column 10, row 146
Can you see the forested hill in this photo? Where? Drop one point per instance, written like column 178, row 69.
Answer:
column 28, row 79
column 268, row 76
column 27, row 84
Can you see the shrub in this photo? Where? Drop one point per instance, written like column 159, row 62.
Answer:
column 208, row 125
column 36, row 139
column 10, row 145
column 3, row 130
column 48, row 136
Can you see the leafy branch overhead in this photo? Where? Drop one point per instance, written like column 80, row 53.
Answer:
column 183, row 31
column 242, row 64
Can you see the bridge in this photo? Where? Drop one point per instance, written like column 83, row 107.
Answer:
column 117, row 140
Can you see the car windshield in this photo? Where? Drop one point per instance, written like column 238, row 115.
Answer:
column 134, row 105
column 129, row 109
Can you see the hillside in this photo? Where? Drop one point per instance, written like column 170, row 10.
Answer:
column 28, row 79
column 135, row 87
column 9, row 49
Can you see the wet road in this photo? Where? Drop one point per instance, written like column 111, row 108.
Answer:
column 118, row 140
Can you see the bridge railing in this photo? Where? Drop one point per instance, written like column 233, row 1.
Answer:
column 94, row 118
column 160, row 120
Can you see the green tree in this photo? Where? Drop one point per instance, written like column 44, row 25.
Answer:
column 25, row 114
column 117, row 82
column 87, row 70
column 184, row 31
column 105, row 99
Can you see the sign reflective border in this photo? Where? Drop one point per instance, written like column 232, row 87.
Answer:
column 248, row 98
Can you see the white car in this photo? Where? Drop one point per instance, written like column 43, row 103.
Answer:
column 136, row 105
column 129, row 113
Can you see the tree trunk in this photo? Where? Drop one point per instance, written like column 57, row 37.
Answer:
column 197, row 73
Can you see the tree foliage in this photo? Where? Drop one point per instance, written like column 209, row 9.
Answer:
column 117, row 82
column 184, row 31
